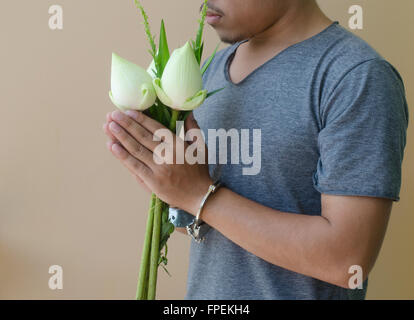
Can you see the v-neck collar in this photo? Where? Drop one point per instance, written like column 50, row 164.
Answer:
column 237, row 45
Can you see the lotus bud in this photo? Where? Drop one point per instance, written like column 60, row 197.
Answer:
column 151, row 69
column 181, row 85
column 131, row 85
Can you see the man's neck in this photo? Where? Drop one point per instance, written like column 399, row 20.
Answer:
column 299, row 22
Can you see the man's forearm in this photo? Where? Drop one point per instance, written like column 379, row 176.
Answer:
column 298, row 242
column 348, row 232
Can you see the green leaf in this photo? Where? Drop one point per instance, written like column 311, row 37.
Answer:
column 167, row 114
column 214, row 92
column 184, row 114
column 165, row 213
column 158, row 113
column 163, row 261
column 164, row 52
column 150, row 112
column 166, row 229
column 147, row 29
column 165, row 269
column 194, row 101
column 210, row 59
column 201, row 50
column 199, row 38
column 160, row 92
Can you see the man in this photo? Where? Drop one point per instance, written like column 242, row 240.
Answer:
column 333, row 118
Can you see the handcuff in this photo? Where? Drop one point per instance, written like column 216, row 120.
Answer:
column 193, row 229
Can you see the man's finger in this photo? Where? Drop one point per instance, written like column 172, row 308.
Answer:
column 148, row 123
column 190, row 122
column 142, row 184
column 136, row 130
column 136, row 149
column 134, row 165
column 108, row 132
column 137, row 178
column 106, row 127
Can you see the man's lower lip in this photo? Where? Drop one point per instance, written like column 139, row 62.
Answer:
column 213, row 19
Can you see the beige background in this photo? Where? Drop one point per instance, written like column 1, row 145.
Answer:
column 65, row 200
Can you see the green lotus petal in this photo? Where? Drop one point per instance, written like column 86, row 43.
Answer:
column 195, row 101
column 122, row 108
column 182, row 78
column 127, row 80
column 161, row 94
column 152, row 70
column 148, row 96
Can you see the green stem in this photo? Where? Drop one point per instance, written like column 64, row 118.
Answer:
column 155, row 249
column 143, row 271
column 147, row 283
column 145, row 290
column 174, row 117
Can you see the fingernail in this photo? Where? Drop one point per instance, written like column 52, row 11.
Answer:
column 109, row 145
column 117, row 115
column 132, row 114
column 114, row 127
column 116, row 148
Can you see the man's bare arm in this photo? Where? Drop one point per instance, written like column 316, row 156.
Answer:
column 349, row 232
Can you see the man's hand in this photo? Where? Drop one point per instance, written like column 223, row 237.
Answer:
column 349, row 231
column 134, row 141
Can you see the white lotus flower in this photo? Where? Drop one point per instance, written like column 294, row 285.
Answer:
column 131, row 85
column 181, row 84
column 151, row 69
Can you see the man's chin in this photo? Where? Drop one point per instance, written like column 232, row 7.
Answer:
column 230, row 39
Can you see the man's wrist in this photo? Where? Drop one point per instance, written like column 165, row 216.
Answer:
column 197, row 196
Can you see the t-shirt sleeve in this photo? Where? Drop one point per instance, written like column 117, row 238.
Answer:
column 361, row 143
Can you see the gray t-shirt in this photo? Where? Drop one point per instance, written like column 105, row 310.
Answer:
column 333, row 119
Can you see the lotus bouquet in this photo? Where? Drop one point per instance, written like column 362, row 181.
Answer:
column 167, row 91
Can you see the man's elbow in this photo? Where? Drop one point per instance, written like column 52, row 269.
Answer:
column 350, row 273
